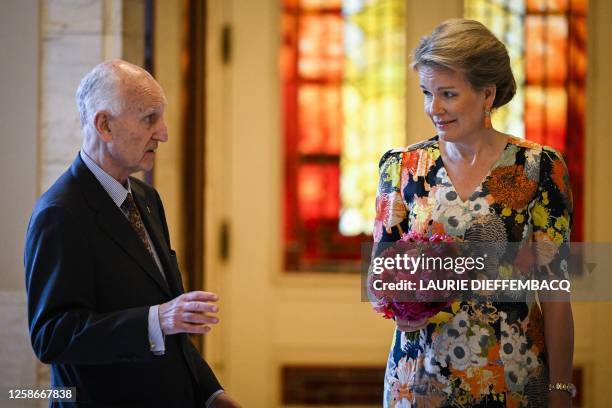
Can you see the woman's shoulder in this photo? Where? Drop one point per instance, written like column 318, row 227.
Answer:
column 547, row 152
column 395, row 155
column 524, row 143
column 422, row 144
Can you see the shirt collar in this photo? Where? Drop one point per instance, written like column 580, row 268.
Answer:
column 115, row 189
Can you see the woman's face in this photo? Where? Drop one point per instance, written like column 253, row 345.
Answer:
column 455, row 108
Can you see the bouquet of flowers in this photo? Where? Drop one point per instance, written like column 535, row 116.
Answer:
column 413, row 303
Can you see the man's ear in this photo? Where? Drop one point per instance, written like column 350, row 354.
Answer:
column 102, row 125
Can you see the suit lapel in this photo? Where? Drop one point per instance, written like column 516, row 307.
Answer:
column 112, row 222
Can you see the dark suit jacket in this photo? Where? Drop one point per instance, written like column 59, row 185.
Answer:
column 90, row 282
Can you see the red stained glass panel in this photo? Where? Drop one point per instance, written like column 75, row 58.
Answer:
column 319, row 191
column 311, row 61
column 555, row 53
column 546, row 116
column 320, row 119
column 554, row 72
column 320, row 47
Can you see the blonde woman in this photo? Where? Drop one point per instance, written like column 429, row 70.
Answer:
column 471, row 180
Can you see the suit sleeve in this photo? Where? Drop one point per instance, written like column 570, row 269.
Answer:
column 64, row 326
column 207, row 381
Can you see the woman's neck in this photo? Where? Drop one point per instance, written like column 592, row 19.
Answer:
column 470, row 150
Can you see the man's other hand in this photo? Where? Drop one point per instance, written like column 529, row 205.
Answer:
column 224, row 401
column 188, row 313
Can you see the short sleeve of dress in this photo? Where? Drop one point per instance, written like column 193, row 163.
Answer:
column 551, row 215
column 391, row 214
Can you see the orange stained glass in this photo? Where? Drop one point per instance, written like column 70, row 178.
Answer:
column 318, row 5
column 555, row 67
column 320, row 119
column 549, row 6
column 557, row 6
column 546, row 115
column 577, row 47
column 342, row 67
column 546, row 49
column 320, row 47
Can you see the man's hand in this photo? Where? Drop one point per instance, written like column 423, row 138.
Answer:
column 188, row 313
column 224, row 401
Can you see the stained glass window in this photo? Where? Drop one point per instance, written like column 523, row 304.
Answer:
column 505, row 19
column 549, row 63
column 373, row 103
column 343, row 66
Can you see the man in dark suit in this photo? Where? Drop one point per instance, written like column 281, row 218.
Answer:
column 106, row 304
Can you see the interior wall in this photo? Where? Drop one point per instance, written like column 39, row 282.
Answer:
column 592, row 329
column 168, row 42
column 18, row 142
column 18, row 180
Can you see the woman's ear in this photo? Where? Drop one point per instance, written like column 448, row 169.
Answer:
column 490, row 92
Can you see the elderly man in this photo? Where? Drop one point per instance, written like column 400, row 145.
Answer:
column 106, row 304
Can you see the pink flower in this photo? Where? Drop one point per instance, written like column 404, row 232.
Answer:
column 414, row 305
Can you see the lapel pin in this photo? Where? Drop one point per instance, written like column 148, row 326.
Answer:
column 148, row 209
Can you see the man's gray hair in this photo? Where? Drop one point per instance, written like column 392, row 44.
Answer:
column 98, row 91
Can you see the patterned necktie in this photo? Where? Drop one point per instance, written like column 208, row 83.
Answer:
column 129, row 208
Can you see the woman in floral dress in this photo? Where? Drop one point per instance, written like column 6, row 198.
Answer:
column 477, row 184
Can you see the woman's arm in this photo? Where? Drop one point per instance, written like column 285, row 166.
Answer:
column 551, row 218
column 559, row 338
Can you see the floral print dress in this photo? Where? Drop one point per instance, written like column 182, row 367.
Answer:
column 474, row 353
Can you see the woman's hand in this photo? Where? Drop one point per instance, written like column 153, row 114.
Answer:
column 559, row 337
column 559, row 399
column 411, row 326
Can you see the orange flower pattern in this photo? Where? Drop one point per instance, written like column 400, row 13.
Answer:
column 510, row 186
column 474, row 354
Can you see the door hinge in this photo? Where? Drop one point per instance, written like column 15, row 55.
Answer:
column 226, row 44
column 224, row 241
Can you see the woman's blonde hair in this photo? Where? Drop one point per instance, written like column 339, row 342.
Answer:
column 469, row 47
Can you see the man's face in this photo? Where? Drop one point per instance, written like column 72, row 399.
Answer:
column 138, row 129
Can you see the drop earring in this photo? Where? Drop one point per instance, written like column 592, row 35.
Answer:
column 487, row 119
